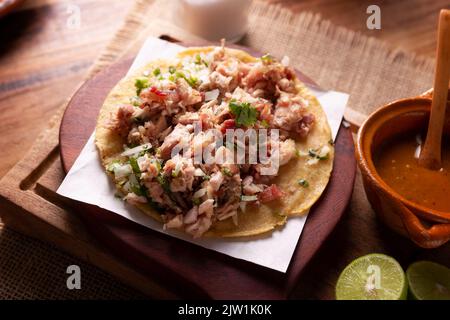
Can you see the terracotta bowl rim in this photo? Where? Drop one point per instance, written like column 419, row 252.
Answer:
column 366, row 162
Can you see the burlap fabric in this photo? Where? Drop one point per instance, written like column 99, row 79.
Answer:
column 371, row 71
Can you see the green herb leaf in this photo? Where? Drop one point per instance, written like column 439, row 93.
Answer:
column 157, row 72
column 112, row 165
column 196, row 201
column 161, row 178
column 135, row 101
column 267, row 58
column 226, row 171
column 304, row 183
column 206, row 177
column 192, row 81
column 314, row 153
column 245, row 114
column 265, row 124
column 172, row 69
column 140, row 84
column 134, row 165
column 137, row 190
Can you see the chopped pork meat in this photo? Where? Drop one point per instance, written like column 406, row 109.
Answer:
column 168, row 122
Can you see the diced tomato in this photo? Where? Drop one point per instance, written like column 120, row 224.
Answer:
column 228, row 124
column 158, row 92
column 266, row 113
column 270, row 193
column 204, row 120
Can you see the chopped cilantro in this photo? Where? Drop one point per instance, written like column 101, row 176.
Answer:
column 265, row 124
column 267, row 58
column 199, row 60
column 245, row 114
column 175, row 173
column 226, row 171
column 192, row 81
column 157, row 72
column 136, row 101
column 163, row 182
column 314, row 154
column 196, row 201
column 112, row 165
column 158, row 165
column 137, row 190
column 134, row 165
column 304, row 183
column 140, row 84
column 206, row 177
column 172, row 69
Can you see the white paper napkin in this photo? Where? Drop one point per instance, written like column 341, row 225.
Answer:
column 87, row 182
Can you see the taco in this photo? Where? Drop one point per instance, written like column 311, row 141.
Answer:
column 154, row 121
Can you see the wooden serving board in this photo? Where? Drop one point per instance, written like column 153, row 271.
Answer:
column 187, row 269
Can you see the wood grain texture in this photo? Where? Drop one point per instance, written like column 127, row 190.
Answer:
column 42, row 63
column 43, row 60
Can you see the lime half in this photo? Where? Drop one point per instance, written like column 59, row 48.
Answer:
column 372, row 277
column 428, row 281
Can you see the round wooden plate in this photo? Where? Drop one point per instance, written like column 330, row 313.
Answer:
column 186, row 269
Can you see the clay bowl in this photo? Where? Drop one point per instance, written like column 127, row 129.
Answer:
column 426, row 227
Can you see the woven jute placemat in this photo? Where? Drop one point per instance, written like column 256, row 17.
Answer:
column 370, row 71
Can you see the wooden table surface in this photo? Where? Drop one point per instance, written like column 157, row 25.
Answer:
column 43, row 57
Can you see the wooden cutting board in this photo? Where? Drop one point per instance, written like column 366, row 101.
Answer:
column 190, row 270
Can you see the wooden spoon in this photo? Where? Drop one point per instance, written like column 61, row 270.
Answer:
column 430, row 157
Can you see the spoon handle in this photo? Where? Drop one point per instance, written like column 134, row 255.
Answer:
column 430, row 156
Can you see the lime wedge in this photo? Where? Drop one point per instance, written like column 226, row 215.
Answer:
column 428, row 281
column 372, row 277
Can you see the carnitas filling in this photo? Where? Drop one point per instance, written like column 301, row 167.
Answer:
column 211, row 90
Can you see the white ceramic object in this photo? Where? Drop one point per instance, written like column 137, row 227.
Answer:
column 213, row 19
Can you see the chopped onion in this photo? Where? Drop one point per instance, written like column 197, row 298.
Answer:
column 132, row 151
column 211, row 95
column 177, row 169
column 312, row 161
column 199, row 172
column 285, row 61
column 249, row 198
column 199, row 193
column 121, row 171
column 301, row 153
column 323, row 152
